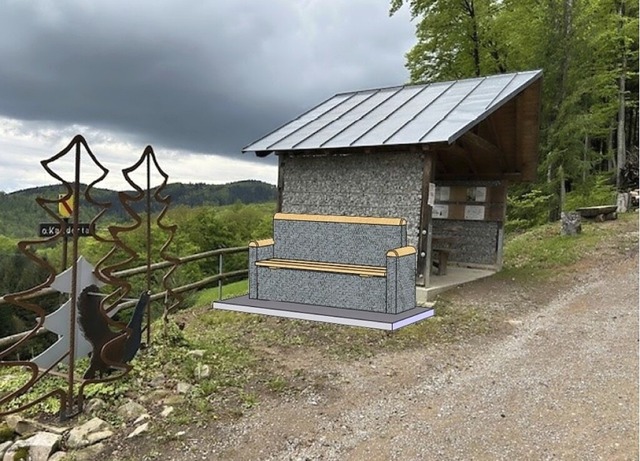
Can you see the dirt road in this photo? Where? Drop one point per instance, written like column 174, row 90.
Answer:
column 560, row 383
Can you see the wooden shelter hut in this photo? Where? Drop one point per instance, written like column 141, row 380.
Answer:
column 440, row 155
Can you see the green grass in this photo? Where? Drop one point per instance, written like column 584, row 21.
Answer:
column 231, row 290
column 544, row 248
column 542, row 251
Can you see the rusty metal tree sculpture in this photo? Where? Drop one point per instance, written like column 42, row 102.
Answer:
column 87, row 311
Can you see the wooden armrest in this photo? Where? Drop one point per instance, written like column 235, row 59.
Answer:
column 261, row 243
column 402, row 251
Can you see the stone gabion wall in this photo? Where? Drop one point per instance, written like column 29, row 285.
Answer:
column 477, row 240
column 373, row 184
column 401, row 285
column 336, row 242
column 323, row 289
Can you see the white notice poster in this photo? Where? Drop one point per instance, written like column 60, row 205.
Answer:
column 432, row 194
column 474, row 212
column 443, row 193
column 481, row 194
column 440, row 212
column 476, row 194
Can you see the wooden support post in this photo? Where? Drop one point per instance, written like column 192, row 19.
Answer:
column 424, row 238
column 501, row 223
column 280, row 186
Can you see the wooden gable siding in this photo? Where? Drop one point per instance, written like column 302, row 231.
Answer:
column 503, row 146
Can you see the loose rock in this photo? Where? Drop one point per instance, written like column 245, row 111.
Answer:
column 571, row 223
column 139, row 430
column 131, row 410
column 173, row 399
column 166, row 411
column 89, row 433
column 89, row 454
column 14, row 449
column 93, row 406
column 199, row 353
column 155, row 396
column 4, row 447
column 183, row 388
column 27, row 427
column 202, row 371
column 41, row 445
column 58, row 456
column 141, row 418
column 20, row 425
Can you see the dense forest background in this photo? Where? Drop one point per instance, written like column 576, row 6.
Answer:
column 588, row 51
column 208, row 217
column 20, row 214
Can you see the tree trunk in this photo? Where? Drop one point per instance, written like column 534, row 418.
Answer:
column 621, row 157
column 611, row 158
column 563, row 188
column 474, row 36
column 584, row 158
column 566, row 36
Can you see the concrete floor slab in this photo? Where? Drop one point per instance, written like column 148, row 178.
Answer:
column 326, row 314
column 456, row 275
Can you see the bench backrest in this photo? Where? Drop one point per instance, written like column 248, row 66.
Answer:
column 337, row 239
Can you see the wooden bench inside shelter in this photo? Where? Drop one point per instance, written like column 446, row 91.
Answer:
column 351, row 262
column 442, row 246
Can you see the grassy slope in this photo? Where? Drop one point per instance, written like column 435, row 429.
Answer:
column 245, row 352
column 537, row 256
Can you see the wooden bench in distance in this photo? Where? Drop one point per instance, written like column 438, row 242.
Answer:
column 441, row 255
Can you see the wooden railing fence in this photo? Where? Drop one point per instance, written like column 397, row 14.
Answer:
column 219, row 278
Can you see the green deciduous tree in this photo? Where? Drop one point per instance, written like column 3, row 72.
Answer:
column 470, row 46
column 587, row 49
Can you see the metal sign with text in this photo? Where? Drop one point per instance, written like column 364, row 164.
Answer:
column 51, row 229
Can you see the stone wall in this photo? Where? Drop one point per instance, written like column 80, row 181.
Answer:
column 336, row 242
column 364, row 184
column 477, row 241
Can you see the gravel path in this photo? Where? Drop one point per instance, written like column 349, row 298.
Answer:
column 562, row 385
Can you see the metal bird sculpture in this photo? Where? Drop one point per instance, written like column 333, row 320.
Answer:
column 111, row 350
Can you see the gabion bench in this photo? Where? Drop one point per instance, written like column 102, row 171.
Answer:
column 349, row 262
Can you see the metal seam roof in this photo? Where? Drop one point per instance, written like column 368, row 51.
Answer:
column 351, row 109
column 409, row 114
column 450, row 111
column 343, row 130
column 428, row 104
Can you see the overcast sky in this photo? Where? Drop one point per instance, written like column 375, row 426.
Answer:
column 197, row 80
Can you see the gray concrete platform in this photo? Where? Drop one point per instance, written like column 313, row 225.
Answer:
column 352, row 317
column 456, row 275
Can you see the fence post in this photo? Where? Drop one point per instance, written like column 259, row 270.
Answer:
column 220, row 280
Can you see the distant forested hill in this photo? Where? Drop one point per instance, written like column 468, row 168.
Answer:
column 20, row 214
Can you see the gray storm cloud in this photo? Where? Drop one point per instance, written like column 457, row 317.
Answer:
column 200, row 76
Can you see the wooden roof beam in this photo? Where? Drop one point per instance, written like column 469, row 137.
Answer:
column 511, row 177
column 491, row 124
column 474, row 143
column 460, row 152
column 528, row 107
column 441, row 166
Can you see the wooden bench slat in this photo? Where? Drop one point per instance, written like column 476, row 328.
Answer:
column 323, row 267
column 341, row 219
column 363, row 271
column 324, row 263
